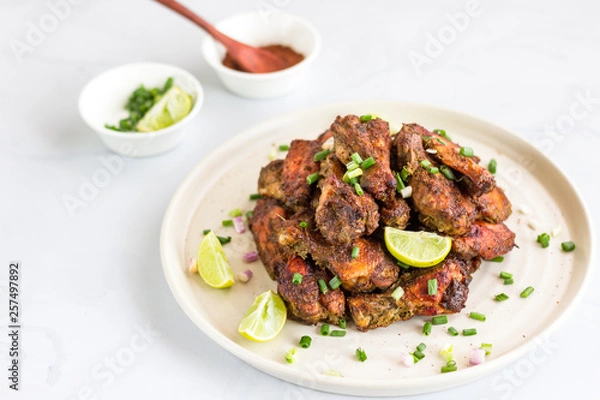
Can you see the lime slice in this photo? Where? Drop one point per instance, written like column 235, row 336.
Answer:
column 170, row 109
column 418, row 249
column 212, row 263
column 265, row 319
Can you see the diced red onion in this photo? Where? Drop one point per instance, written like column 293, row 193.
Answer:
column 244, row 276
column 239, row 225
column 250, row 256
column 478, row 357
column 193, row 267
column 407, row 359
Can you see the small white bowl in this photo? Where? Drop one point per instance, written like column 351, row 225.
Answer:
column 262, row 29
column 103, row 99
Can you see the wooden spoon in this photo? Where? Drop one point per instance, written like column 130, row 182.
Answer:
column 248, row 58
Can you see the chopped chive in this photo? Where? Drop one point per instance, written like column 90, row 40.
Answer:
column 398, row 293
column 361, row 355
column 427, row 329
column 303, row 224
column 466, row 151
column 356, row 158
column 355, row 251
column 399, row 183
column 422, row 346
column 432, row 287
column 544, row 240
column 312, row 178
column 525, row 293
column 352, row 165
column 492, row 166
column 509, row 281
column 477, row 316
column 325, row 329
column 501, row 297
column 450, row 367
column 305, row 342
column 358, row 189
column 290, row 355
column 206, row 231
column 452, row 331
column 338, row 333
column 366, row 118
column 434, row 170
column 505, row 275
column 322, row 286
column 368, row 163
column 355, row 173
column 297, row 278
column 567, row 246
column 249, row 214
column 447, row 172
column 335, row 282
column 497, row 259
column 418, row 355
column 487, row 347
column 227, row 222
column 425, row 163
column 284, row 147
column 469, row 332
column 439, row 320
column 224, row 240
column 320, row 156
column 236, row 213
column 404, row 173
column 255, row 196
column 342, row 323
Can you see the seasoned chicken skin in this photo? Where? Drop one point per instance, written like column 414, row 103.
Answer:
column 270, row 182
column 484, row 240
column 297, row 166
column 494, row 206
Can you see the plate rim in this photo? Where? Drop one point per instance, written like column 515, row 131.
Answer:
column 384, row 387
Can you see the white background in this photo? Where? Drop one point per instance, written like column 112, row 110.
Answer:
column 92, row 282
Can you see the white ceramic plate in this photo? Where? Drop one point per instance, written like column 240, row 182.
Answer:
column 223, row 181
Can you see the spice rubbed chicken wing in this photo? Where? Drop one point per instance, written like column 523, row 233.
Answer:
column 324, row 207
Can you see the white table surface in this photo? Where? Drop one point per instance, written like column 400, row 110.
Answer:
column 92, row 282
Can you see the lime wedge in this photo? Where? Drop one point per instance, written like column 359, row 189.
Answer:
column 170, row 109
column 418, row 249
column 265, row 319
column 212, row 263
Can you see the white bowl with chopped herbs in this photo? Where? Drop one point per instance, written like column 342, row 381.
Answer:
column 141, row 109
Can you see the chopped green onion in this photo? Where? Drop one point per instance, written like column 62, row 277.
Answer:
column 441, row 141
column 477, row 316
column 312, row 178
column 544, row 240
column 418, row 355
column 525, row 293
column 404, row 173
column 492, row 166
column 284, row 147
column 487, row 347
column 422, row 346
column 358, row 189
column 449, row 367
column 399, row 183
column 447, row 172
column 353, row 181
column 355, row 173
column 249, row 214
column 255, row 196
column 206, row 231
column 322, row 286
column 501, row 297
column 352, row 166
column 338, row 333
column 236, row 213
column 305, row 342
column 567, row 246
column 509, row 281
column 440, row 132
column 325, row 329
column 335, row 282
column 342, row 323
column 355, row 251
column 505, row 275
column 432, row 287
column 227, row 222
column 361, row 355
column 402, row 265
column 320, row 156
column 398, row 293
column 356, row 158
column 452, row 331
column 439, row 320
column 425, row 163
column 466, row 151
column 224, row 240
column 297, row 278
column 427, row 329
column 368, row 163
column 497, row 259
column 448, row 351
column 434, row 170
column 366, row 118
column 290, row 355
column 303, row 224
column 333, row 372
column 469, row 332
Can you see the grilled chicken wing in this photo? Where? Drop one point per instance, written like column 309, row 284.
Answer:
column 298, row 164
column 305, row 301
column 270, row 183
column 494, row 206
column 368, row 139
column 484, row 240
column 396, row 213
column 265, row 224
column 342, row 216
